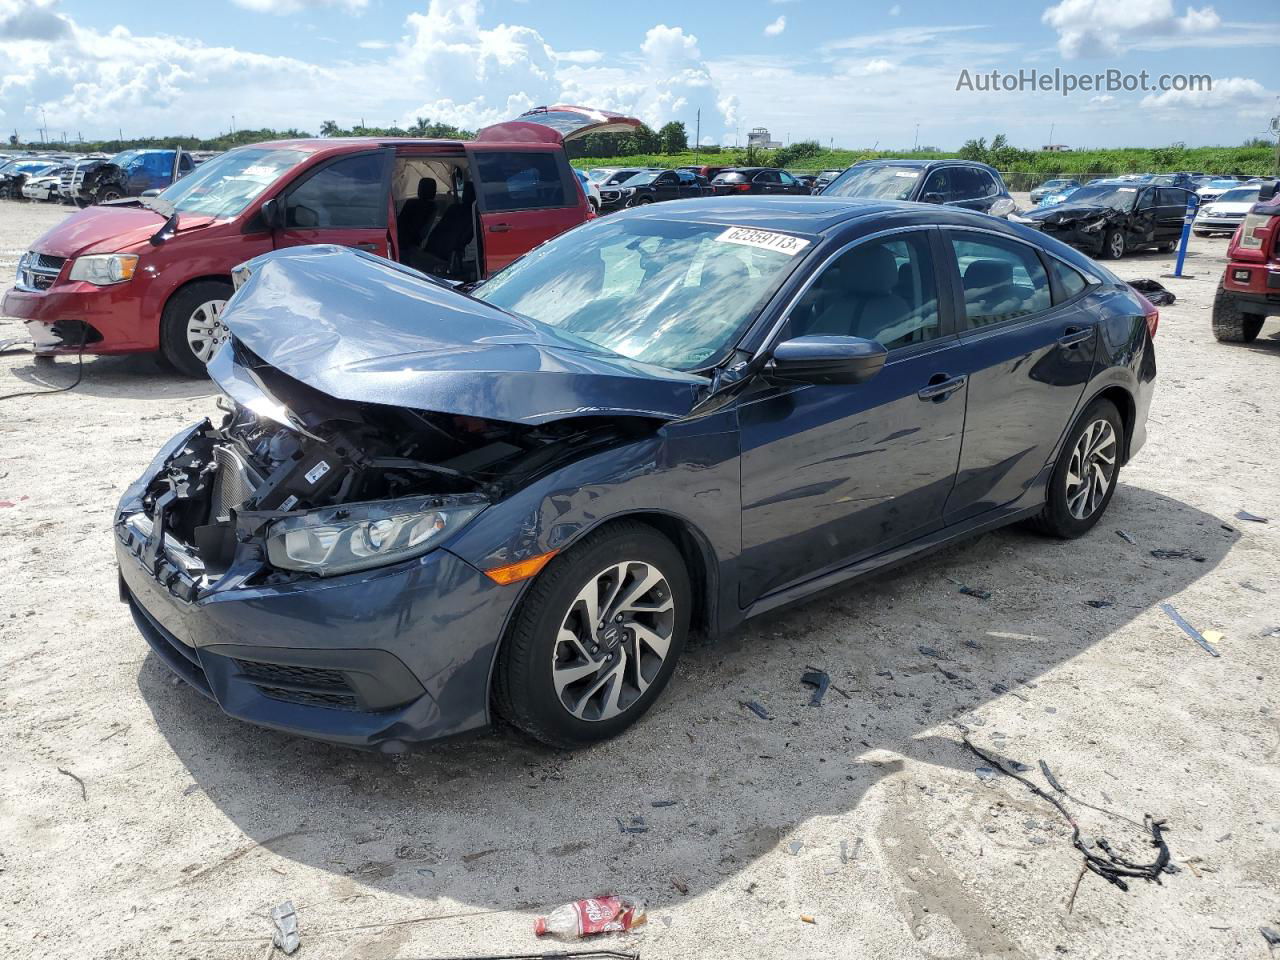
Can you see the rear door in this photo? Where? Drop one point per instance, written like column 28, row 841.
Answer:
column 766, row 182
column 667, row 186
column 689, row 185
column 525, row 194
column 790, row 184
column 1027, row 348
column 342, row 201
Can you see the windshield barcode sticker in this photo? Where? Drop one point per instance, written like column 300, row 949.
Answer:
column 765, row 239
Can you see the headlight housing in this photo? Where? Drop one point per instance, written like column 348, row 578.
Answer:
column 104, row 269
column 357, row 536
column 1094, row 227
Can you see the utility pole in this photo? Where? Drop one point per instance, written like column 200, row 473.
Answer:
column 1051, row 126
column 697, row 136
column 915, row 144
column 233, row 126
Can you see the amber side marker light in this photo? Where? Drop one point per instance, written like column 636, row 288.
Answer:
column 515, row 572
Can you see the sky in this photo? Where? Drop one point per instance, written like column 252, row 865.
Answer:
column 883, row 73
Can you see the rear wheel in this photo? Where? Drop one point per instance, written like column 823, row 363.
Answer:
column 192, row 330
column 596, row 638
column 1085, row 476
column 1232, row 324
column 1113, row 245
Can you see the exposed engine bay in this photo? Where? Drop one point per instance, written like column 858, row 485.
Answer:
column 217, row 497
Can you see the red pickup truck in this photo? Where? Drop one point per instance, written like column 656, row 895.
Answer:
column 153, row 273
column 1250, row 288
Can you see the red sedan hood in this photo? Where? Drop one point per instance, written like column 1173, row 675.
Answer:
column 107, row 230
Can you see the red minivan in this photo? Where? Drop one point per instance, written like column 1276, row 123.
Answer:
column 152, row 273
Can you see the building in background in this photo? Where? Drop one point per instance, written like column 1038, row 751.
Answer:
column 759, row 139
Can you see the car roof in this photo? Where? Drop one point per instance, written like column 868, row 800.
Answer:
column 811, row 215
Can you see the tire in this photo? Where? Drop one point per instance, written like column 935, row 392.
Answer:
column 1202, row 233
column 1066, row 515
column 109, row 194
column 595, row 207
column 1113, row 245
column 195, row 304
column 562, row 691
column 1169, row 247
column 1230, row 323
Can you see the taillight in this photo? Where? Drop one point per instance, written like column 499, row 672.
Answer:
column 742, row 187
column 1254, row 231
column 1150, row 313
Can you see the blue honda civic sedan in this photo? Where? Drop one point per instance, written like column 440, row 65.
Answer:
column 427, row 505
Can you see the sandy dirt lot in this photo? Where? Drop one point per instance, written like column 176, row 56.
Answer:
column 137, row 821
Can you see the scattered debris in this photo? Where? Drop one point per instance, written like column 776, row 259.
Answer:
column 585, row 918
column 948, row 674
column 1251, row 517
column 806, row 918
column 84, row 794
column 929, row 652
column 1100, row 604
column 15, row 344
column 1162, row 554
column 1157, row 293
column 845, row 855
column 975, row 592
column 663, row 803
column 1250, row 585
column 1271, row 935
column 1048, row 775
column 795, row 846
column 681, row 884
column 819, row 680
column 635, row 825
column 1188, row 629
column 1108, row 864
column 985, row 773
column 755, row 708
column 479, row 854
column 1127, row 537
column 285, row 918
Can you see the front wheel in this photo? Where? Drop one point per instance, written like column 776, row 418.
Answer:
column 596, row 638
column 1084, row 479
column 109, row 194
column 1230, row 323
column 1113, row 245
column 191, row 329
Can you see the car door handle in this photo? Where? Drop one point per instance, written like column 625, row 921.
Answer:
column 499, row 228
column 1075, row 335
column 941, row 386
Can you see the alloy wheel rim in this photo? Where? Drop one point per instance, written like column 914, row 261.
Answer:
column 205, row 329
column 613, row 641
column 1117, row 246
column 1091, row 470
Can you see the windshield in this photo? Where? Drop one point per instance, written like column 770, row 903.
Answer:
column 599, row 173
column 1240, row 195
column 672, row 293
column 31, row 166
column 1121, row 198
column 122, row 159
column 1223, row 183
column 642, row 178
column 875, row 182
column 225, row 185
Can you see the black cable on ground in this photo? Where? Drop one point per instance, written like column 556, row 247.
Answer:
column 1112, row 867
column 70, row 386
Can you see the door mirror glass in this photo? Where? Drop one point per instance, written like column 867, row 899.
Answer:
column 825, row 359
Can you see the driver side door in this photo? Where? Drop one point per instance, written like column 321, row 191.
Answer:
column 342, row 201
column 832, row 473
column 1142, row 222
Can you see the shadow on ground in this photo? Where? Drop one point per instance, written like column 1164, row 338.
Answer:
column 135, row 376
column 500, row 823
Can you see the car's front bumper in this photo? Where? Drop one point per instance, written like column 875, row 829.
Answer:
column 1203, row 222
column 378, row 660
column 1090, row 241
column 69, row 314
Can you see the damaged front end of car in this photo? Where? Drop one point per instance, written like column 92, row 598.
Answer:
column 1082, row 227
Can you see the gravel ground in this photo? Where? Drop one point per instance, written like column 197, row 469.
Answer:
column 138, row 821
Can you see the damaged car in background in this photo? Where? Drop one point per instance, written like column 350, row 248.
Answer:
column 1109, row 219
column 429, row 505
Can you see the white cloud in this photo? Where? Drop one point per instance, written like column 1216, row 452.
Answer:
column 1232, row 92
column 876, row 65
column 373, row 45
column 775, row 28
column 296, row 6
column 579, row 56
column 895, row 10
column 1088, row 28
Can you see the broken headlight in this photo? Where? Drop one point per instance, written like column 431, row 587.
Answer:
column 104, row 269
column 1093, row 227
column 357, row 536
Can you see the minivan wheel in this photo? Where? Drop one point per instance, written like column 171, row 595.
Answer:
column 1230, row 323
column 191, row 329
column 596, row 638
column 1084, row 479
column 1113, row 245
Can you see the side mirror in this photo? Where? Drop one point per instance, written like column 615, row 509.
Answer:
column 273, row 213
column 1267, row 191
column 932, row 198
column 826, row 360
column 1002, row 207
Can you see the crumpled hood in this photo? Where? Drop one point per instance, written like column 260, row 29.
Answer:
column 108, row 229
column 1067, row 211
column 360, row 328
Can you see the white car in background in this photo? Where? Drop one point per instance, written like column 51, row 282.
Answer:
column 591, row 189
column 43, row 187
column 1226, row 212
column 1216, row 188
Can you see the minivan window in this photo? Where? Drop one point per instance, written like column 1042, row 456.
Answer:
column 346, row 193
column 1002, row 280
column 512, row 180
column 225, row 185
